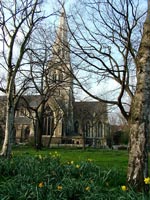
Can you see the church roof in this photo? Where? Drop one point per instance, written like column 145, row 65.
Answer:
column 90, row 109
column 31, row 100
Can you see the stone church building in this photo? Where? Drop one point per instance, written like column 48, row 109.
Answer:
column 65, row 121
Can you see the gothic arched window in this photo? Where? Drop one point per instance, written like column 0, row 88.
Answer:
column 99, row 130
column 48, row 121
column 76, row 127
column 87, row 129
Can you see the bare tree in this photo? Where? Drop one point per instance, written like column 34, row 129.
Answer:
column 107, row 41
column 18, row 21
column 106, row 47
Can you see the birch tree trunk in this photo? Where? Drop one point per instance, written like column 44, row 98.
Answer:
column 140, row 114
column 9, row 129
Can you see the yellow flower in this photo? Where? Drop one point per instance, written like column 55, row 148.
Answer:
column 87, row 188
column 90, row 160
column 41, row 184
column 124, row 188
column 77, row 166
column 72, row 162
column 147, row 180
column 59, row 187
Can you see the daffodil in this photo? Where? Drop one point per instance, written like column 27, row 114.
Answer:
column 147, row 180
column 87, row 188
column 72, row 162
column 41, row 184
column 77, row 166
column 59, row 187
column 124, row 188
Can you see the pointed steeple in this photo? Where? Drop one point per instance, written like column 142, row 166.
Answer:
column 62, row 29
column 61, row 45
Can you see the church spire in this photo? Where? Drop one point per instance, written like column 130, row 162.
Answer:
column 61, row 46
column 62, row 29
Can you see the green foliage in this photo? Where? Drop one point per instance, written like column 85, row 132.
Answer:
column 43, row 177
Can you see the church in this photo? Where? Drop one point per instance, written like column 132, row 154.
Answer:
column 65, row 121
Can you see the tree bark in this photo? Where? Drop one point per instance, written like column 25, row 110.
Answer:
column 140, row 115
column 9, row 129
column 39, row 126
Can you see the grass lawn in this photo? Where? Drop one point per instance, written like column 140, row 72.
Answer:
column 104, row 158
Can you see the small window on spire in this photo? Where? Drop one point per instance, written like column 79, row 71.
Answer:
column 60, row 76
column 54, row 77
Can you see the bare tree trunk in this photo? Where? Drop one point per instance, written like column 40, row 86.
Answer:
column 39, row 135
column 140, row 115
column 49, row 141
column 9, row 129
column 83, row 137
column 39, row 125
column 84, row 147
